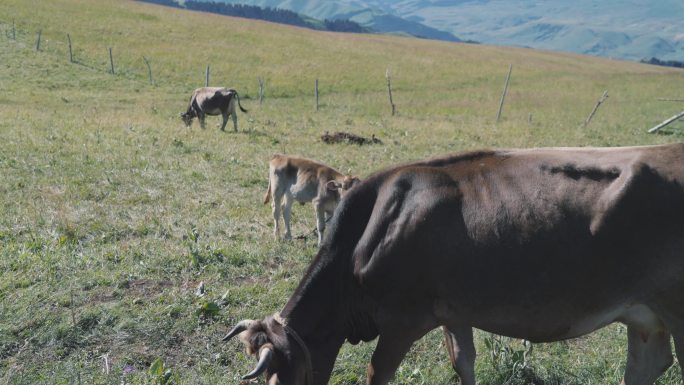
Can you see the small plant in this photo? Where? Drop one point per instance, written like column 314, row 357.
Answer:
column 510, row 361
column 196, row 258
column 208, row 310
column 161, row 375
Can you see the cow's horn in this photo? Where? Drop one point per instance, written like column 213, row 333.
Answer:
column 239, row 328
column 265, row 357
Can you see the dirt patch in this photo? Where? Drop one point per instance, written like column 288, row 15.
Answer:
column 348, row 137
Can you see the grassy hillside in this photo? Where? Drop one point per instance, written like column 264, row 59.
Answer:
column 112, row 212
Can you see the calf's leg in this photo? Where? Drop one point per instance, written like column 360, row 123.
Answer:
column 276, row 201
column 320, row 219
column 287, row 214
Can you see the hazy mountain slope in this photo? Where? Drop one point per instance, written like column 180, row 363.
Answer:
column 631, row 29
column 371, row 14
column 628, row 29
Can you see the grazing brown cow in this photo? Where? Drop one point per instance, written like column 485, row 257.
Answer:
column 304, row 180
column 212, row 101
column 540, row 244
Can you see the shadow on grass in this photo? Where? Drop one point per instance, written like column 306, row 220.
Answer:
column 671, row 130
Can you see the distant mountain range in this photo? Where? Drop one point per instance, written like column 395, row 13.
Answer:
column 370, row 16
column 626, row 29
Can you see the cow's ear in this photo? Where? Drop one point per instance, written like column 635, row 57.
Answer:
column 332, row 185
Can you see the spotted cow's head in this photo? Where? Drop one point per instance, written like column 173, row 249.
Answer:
column 187, row 117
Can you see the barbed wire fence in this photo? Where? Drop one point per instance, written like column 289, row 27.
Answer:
column 64, row 46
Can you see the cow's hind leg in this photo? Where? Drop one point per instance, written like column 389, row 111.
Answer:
column 231, row 112
column 648, row 348
column 233, row 115
column 201, row 117
column 461, row 349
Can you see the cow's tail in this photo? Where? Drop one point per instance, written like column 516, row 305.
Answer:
column 238, row 100
column 268, row 192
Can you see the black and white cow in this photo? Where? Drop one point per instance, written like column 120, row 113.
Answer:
column 212, row 101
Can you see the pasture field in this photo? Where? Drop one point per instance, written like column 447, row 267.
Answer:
column 112, row 213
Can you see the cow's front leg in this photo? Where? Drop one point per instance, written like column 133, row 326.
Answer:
column 201, row 117
column 461, row 349
column 225, row 120
column 320, row 219
column 388, row 354
column 648, row 354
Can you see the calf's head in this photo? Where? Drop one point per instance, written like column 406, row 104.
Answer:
column 282, row 357
column 343, row 186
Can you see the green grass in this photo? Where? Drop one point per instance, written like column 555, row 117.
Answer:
column 112, row 212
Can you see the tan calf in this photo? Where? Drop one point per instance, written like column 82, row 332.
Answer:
column 304, row 180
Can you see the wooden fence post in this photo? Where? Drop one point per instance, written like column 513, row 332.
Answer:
column 71, row 54
column 316, row 93
column 111, row 61
column 665, row 123
column 389, row 90
column 38, row 40
column 149, row 69
column 598, row 104
column 261, row 90
column 505, row 90
column 206, row 77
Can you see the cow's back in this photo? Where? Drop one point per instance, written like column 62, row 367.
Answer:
column 523, row 233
